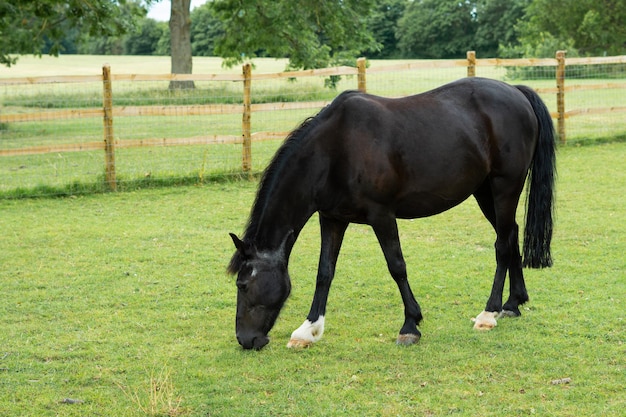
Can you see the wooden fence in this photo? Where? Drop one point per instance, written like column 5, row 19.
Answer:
column 110, row 111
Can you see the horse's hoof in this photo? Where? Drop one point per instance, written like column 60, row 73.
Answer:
column 299, row 344
column 485, row 320
column 509, row 313
column 407, row 339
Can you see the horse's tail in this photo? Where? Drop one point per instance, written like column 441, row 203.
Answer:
column 540, row 197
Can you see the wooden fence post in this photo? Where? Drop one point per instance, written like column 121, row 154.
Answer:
column 246, row 163
column 560, row 95
column 361, row 65
column 471, row 63
column 109, row 140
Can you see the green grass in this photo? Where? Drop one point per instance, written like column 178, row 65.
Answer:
column 75, row 173
column 120, row 302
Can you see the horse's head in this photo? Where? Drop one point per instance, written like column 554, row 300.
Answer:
column 263, row 286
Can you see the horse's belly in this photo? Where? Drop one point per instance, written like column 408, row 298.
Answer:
column 424, row 204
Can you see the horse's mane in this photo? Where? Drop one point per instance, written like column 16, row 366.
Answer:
column 268, row 180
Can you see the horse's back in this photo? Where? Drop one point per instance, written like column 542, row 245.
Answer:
column 426, row 153
column 457, row 124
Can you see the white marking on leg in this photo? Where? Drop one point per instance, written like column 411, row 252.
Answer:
column 485, row 320
column 307, row 334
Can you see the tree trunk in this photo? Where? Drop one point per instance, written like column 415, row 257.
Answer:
column 180, row 30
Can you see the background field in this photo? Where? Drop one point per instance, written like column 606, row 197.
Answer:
column 118, row 305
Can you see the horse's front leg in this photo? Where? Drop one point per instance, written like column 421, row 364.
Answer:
column 386, row 230
column 311, row 330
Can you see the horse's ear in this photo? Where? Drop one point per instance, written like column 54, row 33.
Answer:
column 244, row 249
column 238, row 243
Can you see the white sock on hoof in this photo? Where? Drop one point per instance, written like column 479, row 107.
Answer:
column 308, row 333
column 485, row 320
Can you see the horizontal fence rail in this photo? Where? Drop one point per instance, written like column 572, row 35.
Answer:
column 256, row 109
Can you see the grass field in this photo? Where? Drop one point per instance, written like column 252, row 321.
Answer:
column 118, row 305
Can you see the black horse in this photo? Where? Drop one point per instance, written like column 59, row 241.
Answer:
column 368, row 159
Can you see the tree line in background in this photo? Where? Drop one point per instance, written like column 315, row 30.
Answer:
column 315, row 34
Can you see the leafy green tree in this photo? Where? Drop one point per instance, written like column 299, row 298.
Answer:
column 164, row 45
column 69, row 44
column 144, row 40
column 531, row 44
column 205, row 29
column 592, row 27
column 495, row 24
column 437, row 29
column 101, row 45
column 382, row 22
column 32, row 26
column 312, row 34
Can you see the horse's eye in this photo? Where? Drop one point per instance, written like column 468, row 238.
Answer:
column 242, row 285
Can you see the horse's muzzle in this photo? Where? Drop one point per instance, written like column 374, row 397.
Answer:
column 253, row 341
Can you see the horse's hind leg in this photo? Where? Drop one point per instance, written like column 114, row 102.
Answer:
column 387, row 233
column 517, row 287
column 311, row 330
column 507, row 258
column 502, row 218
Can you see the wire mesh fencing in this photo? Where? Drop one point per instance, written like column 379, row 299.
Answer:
column 58, row 136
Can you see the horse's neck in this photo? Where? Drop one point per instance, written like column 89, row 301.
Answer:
column 288, row 208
